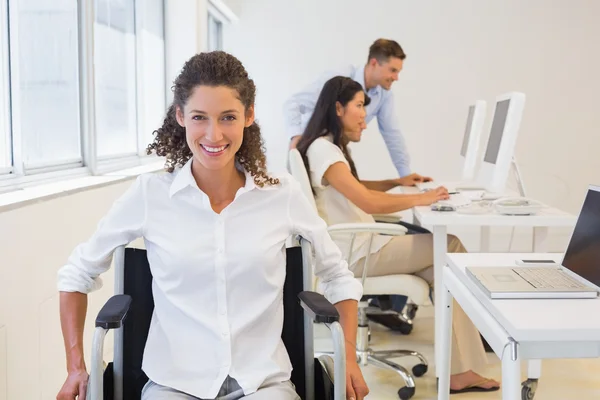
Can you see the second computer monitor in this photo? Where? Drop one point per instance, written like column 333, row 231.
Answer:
column 500, row 148
column 471, row 138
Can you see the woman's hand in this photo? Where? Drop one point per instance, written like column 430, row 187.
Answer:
column 75, row 386
column 356, row 387
column 433, row 196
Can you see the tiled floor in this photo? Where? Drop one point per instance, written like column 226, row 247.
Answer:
column 561, row 379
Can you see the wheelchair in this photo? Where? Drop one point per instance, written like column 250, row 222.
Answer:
column 129, row 313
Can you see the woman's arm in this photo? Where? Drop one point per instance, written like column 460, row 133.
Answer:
column 73, row 307
column 336, row 281
column 381, row 186
column 388, row 184
column 348, row 310
column 375, row 202
column 81, row 275
column 356, row 387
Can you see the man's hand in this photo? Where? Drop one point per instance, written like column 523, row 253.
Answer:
column 75, row 386
column 413, row 179
column 421, row 178
column 294, row 141
column 356, row 387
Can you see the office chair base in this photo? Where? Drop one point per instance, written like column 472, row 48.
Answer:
column 405, row 392
column 380, row 359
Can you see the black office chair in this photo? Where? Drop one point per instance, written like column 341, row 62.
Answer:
column 129, row 313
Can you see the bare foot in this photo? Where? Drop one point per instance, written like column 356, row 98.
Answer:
column 469, row 378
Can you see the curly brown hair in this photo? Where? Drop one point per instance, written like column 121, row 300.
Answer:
column 216, row 68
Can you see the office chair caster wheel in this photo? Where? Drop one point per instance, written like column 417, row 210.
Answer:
column 419, row 370
column 406, row 393
column 411, row 311
column 528, row 389
column 405, row 328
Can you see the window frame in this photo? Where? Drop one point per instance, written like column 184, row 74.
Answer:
column 19, row 169
column 17, row 176
column 222, row 14
column 219, row 24
column 5, row 120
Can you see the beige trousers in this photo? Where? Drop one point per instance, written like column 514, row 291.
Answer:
column 413, row 254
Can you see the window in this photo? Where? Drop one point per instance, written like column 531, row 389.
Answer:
column 5, row 152
column 44, row 83
column 69, row 105
column 115, row 76
column 151, row 67
column 215, row 33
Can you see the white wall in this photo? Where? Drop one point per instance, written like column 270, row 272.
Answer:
column 458, row 51
column 185, row 35
column 35, row 242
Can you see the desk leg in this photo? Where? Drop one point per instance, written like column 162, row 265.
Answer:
column 540, row 236
column 486, row 238
column 511, row 375
column 440, row 247
column 443, row 368
column 534, row 369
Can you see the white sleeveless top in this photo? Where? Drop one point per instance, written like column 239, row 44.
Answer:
column 333, row 206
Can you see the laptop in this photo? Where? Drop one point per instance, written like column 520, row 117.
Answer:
column 577, row 276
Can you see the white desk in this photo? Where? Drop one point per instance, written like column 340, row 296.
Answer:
column 516, row 329
column 548, row 217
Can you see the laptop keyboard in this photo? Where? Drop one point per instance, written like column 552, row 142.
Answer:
column 545, row 278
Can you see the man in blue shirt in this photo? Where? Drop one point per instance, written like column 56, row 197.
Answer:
column 386, row 58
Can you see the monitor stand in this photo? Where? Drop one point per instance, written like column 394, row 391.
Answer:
column 517, row 172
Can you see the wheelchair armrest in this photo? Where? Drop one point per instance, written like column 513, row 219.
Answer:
column 318, row 307
column 379, row 228
column 114, row 312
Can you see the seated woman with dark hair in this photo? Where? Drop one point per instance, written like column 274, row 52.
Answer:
column 341, row 197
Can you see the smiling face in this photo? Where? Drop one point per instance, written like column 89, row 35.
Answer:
column 352, row 116
column 214, row 119
column 386, row 73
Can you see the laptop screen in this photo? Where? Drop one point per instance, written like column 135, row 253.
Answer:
column 583, row 254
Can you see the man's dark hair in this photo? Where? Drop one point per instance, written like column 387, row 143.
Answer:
column 383, row 49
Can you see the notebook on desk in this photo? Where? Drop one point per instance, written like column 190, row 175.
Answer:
column 577, row 276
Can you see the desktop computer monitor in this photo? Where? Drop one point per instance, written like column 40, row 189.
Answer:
column 501, row 142
column 471, row 138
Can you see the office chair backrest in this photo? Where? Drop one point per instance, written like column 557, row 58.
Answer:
column 138, row 284
column 298, row 171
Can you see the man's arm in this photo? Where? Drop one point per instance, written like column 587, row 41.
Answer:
column 299, row 107
column 389, row 126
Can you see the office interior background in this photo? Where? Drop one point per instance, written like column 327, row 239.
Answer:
column 84, row 84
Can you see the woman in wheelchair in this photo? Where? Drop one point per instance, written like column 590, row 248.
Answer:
column 215, row 226
column 338, row 119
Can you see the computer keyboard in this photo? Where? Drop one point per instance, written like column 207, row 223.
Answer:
column 548, row 278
